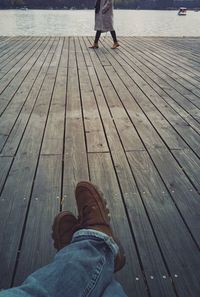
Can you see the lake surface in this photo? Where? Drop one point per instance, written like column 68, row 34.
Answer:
column 81, row 22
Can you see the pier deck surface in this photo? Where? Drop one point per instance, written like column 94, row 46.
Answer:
column 126, row 119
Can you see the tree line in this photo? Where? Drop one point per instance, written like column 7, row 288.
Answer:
column 89, row 4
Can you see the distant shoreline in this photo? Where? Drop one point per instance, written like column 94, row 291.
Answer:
column 49, row 8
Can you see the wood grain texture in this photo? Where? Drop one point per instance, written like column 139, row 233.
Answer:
column 37, row 248
column 15, row 197
column 126, row 119
column 102, row 174
column 178, row 248
column 190, row 164
column 5, row 163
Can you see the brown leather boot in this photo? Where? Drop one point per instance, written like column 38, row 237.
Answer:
column 115, row 45
column 93, row 214
column 64, row 226
column 95, row 45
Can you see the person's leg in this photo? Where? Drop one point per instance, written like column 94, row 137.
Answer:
column 83, row 268
column 97, row 36
column 114, row 289
column 114, row 37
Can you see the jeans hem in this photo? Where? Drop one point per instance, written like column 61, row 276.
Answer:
column 96, row 235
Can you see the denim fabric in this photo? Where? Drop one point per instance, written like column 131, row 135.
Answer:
column 83, row 268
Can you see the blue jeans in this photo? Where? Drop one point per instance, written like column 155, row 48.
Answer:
column 83, row 268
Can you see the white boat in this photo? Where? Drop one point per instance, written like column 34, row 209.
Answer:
column 182, row 11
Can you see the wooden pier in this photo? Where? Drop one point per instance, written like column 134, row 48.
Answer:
column 126, row 119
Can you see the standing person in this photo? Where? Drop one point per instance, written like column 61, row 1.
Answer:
column 104, row 21
column 88, row 254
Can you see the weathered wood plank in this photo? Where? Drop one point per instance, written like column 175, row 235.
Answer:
column 14, row 109
column 157, row 111
column 151, row 51
column 54, row 133
column 131, row 111
column 142, row 150
column 5, row 163
column 102, row 174
column 75, row 155
column 37, row 248
column 190, row 164
column 166, row 75
column 150, row 256
column 96, row 141
column 11, row 54
column 166, row 50
column 184, row 194
column 15, row 198
column 12, row 82
column 19, row 127
column 184, row 51
column 178, row 248
column 166, row 88
column 9, row 72
column 160, row 124
column 177, row 122
column 5, row 42
column 31, row 142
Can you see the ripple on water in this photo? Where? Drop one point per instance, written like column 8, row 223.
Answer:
column 81, row 22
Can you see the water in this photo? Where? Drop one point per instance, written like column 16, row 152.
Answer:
column 81, row 22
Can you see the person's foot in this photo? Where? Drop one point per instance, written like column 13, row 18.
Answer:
column 64, row 226
column 95, row 45
column 115, row 45
column 93, row 214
